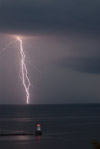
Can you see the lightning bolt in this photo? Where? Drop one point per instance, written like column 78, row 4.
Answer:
column 24, row 72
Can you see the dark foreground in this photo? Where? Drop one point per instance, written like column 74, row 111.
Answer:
column 63, row 126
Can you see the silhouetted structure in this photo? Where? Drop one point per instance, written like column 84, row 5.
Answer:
column 96, row 144
column 38, row 130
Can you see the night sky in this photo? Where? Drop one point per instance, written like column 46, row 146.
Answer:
column 61, row 39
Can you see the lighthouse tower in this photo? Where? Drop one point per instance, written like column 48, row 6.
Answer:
column 38, row 130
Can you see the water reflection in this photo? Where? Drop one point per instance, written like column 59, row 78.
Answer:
column 18, row 138
column 38, row 139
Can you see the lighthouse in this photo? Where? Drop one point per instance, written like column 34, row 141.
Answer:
column 38, row 130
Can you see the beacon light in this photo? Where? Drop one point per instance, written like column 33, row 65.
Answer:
column 38, row 130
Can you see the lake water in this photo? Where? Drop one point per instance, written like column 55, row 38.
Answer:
column 63, row 126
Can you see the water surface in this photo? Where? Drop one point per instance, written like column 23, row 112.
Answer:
column 63, row 126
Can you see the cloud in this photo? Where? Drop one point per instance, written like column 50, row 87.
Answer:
column 89, row 65
column 48, row 16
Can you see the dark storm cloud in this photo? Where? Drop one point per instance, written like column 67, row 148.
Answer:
column 49, row 15
column 81, row 64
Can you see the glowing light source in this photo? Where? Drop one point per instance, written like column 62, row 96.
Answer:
column 25, row 78
column 38, row 125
